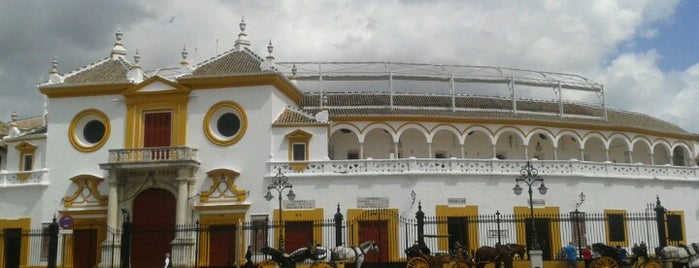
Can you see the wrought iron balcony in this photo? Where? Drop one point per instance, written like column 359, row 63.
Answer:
column 457, row 166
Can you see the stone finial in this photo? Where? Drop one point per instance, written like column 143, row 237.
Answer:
column 184, row 63
column 242, row 40
column 118, row 52
column 14, row 116
column 293, row 74
column 135, row 74
column 54, row 76
column 270, row 49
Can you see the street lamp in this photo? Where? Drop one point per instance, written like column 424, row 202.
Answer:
column 280, row 183
column 530, row 175
column 581, row 200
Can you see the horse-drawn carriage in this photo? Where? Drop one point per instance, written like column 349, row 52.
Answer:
column 614, row 257
column 419, row 256
column 318, row 256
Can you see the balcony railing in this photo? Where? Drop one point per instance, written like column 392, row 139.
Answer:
column 24, row 178
column 152, row 155
column 487, row 166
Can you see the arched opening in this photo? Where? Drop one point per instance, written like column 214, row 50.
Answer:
column 661, row 155
column 153, row 227
column 679, row 157
column 594, row 150
column 477, row 145
column 641, row 153
column 445, row 144
column 378, row 144
column 568, row 148
column 343, row 145
column 540, row 147
column 413, row 143
column 509, row 146
column 618, row 151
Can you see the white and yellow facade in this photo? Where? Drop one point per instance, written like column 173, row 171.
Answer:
column 201, row 142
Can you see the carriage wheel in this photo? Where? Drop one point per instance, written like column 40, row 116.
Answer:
column 459, row 264
column 267, row 264
column 417, row 262
column 321, row 265
column 605, row 262
column 652, row 264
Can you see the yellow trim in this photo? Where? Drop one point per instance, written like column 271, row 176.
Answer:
column 206, row 220
column 25, row 225
column 135, row 122
column 550, row 213
column 470, row 212
column 315, row 215
column 276, row 80
column 25, row 149
column 231, row 192
column 564, row 125
column 98, row 224
column 210, row 133
column 298, row 137
column 684, row 230
column 391, row 215
column 85, row 182
column 608, row 212
column 83, row 91
column 72, row 135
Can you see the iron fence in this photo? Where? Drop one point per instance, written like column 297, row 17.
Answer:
column 229, row 244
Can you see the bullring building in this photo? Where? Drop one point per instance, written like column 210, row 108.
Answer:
column 200, row 144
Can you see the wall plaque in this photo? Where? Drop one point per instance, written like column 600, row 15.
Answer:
column 372, row 202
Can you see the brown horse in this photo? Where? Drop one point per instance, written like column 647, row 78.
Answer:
column 497, row 254
column 517, row 250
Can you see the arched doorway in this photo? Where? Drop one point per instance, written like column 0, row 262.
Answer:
column 153, row 227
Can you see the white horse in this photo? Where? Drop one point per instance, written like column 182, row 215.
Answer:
column 353, row 254
column 683, row 255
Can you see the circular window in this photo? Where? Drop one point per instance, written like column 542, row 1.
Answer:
column 89, row 130
column 225, row 123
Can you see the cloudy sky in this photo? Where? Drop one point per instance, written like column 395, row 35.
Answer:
column 643, row 51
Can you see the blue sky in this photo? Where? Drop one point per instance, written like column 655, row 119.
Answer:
column 677, row 39
column 643, row 51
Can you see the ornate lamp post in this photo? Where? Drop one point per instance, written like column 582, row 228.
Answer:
column 280, row 183
column 577, row 222
column 530, row 175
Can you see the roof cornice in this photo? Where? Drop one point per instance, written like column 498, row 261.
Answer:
column 54, row 91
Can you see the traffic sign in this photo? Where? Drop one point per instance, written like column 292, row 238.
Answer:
column 66, row 222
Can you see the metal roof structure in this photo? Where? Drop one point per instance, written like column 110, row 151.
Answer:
column 367, row 71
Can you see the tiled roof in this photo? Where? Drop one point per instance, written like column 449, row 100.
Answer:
column 296, row 117
column 107, row 71
column 231, row 63
column 480, row 108
column 31, row 125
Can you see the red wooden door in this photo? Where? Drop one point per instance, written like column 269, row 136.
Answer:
column 222, row 245
column 297, row 234
column 157, row 129
column 376, row 230
column 153, row 227
column 84, row 248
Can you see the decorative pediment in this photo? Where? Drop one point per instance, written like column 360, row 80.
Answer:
column 25, row 147
column 156, row 85
column 299, row 135
column 223, row 188
column 86, row 193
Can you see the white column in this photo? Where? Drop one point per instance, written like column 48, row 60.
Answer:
column 555, row 153
column 463, row 152
column 182, row 193
column 361, row 150
column 606, row 154
column 112, row 201
column 526, row 152
column 429, row 150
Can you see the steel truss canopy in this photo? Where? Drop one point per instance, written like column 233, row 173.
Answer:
column 368, row 71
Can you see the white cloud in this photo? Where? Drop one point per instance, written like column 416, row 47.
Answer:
column 581, row 37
